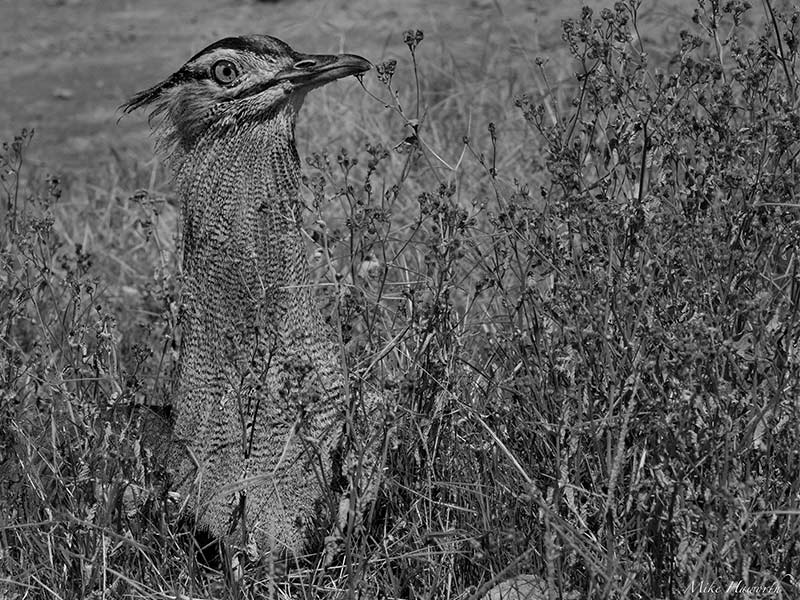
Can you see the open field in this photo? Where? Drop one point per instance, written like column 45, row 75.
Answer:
column 70, row 64
column 567, row 253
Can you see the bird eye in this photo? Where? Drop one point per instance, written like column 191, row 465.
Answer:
column 224, row 72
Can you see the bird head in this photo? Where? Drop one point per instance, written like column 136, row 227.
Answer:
column 238, row 81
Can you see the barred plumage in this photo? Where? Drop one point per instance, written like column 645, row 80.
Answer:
column 259, row 405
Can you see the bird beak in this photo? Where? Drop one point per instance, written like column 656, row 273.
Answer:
column 314, row 70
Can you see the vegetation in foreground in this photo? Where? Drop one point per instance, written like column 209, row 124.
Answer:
column 590, row 331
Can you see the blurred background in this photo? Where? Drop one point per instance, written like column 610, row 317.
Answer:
column 69, row 64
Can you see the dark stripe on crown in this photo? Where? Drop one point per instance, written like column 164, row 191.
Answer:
column 255, row 44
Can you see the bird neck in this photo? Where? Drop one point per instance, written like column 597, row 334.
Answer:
column 240, row 194
column 254, row 163
column 241, row 208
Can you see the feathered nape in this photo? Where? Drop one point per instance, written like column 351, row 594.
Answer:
column 166, row 108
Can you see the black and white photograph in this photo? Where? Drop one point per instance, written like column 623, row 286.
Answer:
column 399, row 299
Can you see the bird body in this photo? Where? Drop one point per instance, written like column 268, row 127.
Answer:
column 259, row 405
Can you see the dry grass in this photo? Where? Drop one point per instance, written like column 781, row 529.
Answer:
column 581, row 293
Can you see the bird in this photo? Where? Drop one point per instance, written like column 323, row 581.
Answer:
column 259, row 401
